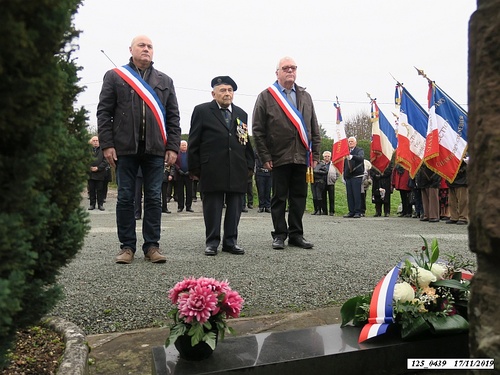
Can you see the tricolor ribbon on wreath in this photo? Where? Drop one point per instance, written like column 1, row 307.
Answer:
column 147, row 94
column 381, row 306
column 297, row 120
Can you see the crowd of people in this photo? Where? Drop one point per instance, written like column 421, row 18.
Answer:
column 139, row 136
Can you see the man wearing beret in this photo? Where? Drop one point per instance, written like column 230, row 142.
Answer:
column 221, row 156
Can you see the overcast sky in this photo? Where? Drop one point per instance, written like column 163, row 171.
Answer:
column 342, row 48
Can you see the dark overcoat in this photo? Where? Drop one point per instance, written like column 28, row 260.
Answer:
column 215, row 152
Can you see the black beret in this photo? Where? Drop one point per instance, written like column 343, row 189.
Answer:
column 224, row 80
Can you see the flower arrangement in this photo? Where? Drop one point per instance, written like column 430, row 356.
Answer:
column 202, row 305
column 423, row 294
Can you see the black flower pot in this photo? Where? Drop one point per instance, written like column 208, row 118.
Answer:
column 192, row 353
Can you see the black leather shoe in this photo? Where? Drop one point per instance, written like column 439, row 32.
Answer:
column 278, row 243
column 250, row 206
column 101, row 208
column 210, row 251
column 349, row 215
column 300, row 242
column 180, row 209
column 234, row 250
column 356, row 216
column 268, row 210
column 261, row 209
column 244, row 209
column 167, row 211
column 92, row 208
column 189, row 209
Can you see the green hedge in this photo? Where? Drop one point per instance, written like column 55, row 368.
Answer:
column 43, row 159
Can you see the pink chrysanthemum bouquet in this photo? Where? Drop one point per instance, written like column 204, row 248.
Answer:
column 202, row 307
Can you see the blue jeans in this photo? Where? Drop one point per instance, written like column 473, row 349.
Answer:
column 126, row 172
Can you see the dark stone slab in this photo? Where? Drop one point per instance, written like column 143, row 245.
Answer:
column 317, row 350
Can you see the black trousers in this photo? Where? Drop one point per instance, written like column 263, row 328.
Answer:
column 96, row 192
column 289, row 183
column 213, row 203
column 330, row 193
column 184, row 184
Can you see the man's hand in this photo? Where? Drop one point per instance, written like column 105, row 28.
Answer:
column 110, row 155
column 268, row 165
column 170, row 157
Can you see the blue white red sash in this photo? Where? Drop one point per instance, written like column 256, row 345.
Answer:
column 147, row 94
column 294, row 116
column 381, row 306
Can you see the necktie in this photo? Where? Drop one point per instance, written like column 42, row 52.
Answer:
column 290, row 97
column 227, row 116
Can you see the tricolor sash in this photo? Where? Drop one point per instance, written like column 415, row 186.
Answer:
column 294, row 116
column 380, row 316
column 147, row 94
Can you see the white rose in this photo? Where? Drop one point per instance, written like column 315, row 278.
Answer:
column 423, row 276
column 438, row 270
column 403, row 292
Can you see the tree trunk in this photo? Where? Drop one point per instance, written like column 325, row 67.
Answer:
column 483, row 180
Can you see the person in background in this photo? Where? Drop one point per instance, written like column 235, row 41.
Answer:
column 248, row 197
column 444, row 210
column 195, row 189
column 354, row 168
column 429, row 182
column 184, row 182
column 382, row 190
column 133, row 133
column 328, row 198
column 365, row 185
column 263, row 180
column 167, row 178
column 459, row 197
column 287, row 146
column 107, row 179
column 318, row 187
column 97, row 173
column 400, row 180
column 221, row 156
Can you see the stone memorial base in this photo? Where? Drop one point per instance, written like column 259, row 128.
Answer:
column 318, row 350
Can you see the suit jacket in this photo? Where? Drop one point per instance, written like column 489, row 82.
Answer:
column 215, row 153
column 356, row 166
column 99, row 162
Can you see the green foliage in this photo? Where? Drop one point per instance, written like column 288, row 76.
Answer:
column 42, row 159
column 356, row 310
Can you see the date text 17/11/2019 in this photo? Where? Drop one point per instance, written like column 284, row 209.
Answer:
column 451, row 363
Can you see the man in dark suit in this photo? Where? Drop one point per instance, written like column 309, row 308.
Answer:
column 354, row 168
column 221, row 156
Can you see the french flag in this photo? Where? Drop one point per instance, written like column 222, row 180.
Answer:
column 412, row 131
column 384, row 140
column 380, row 316
column 446, row 143
column 340, row 148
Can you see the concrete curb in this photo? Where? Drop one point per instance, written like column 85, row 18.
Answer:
column 76, row 354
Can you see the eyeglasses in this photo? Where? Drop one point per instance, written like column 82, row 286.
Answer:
column 288, row 67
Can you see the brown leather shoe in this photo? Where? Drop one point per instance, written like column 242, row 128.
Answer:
column 155, row 256
column 125, row 256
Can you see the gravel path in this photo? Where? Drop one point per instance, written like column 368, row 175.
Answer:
column 349, row 257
